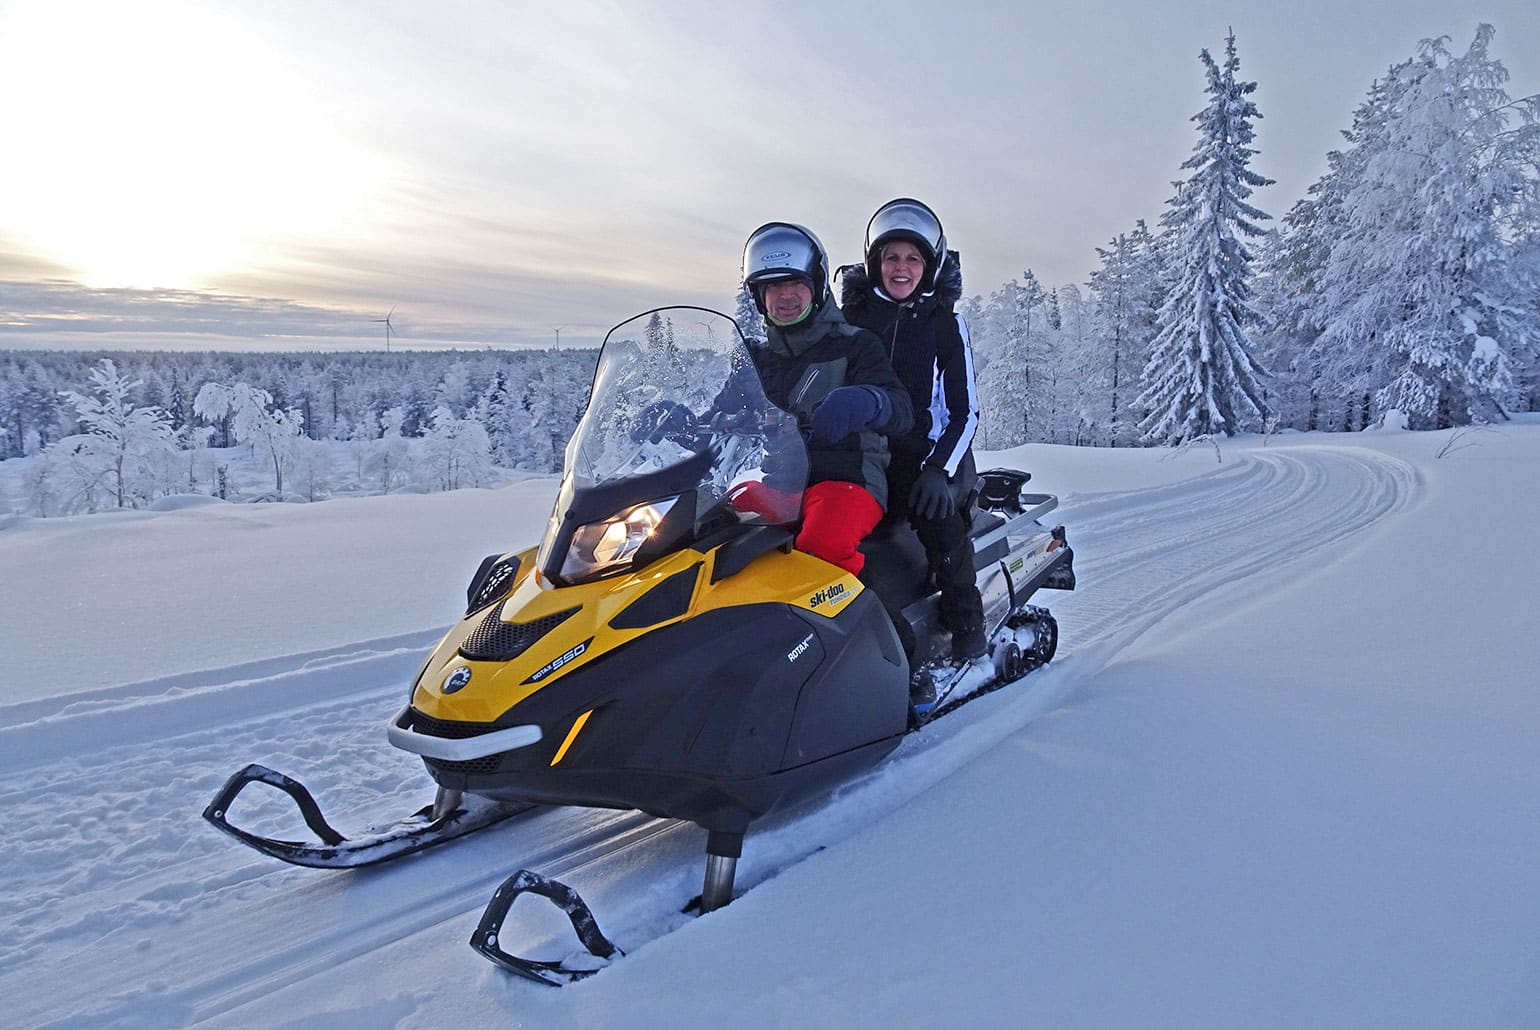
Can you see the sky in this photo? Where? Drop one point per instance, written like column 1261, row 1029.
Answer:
column 281, row 174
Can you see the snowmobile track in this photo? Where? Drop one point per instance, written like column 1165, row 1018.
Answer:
column 104, row 842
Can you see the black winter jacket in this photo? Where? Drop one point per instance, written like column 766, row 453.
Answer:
column 800, row 366
column 927, row 342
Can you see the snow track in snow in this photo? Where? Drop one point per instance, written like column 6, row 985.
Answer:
column 106, row 856
column 1144, row 555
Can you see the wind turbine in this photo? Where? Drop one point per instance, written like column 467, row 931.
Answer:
column 389, row 329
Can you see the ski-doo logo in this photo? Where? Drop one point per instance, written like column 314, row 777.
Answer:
column 834, row 593
column 550, row 667
column 457, row 680
column 797, row 651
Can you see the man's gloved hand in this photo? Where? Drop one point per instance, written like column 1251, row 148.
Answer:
column 931, row 497
column 784, row 462
column 662, row 419
column 846, row 410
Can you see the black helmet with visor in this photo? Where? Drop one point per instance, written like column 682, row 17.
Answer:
column 913, row 222
column 783, row 250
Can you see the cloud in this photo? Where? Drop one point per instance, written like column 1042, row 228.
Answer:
column 579, row 163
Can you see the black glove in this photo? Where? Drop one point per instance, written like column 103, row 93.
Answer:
column 847, row 410
column 663, row 419
column 931, row 497
column 781, row 467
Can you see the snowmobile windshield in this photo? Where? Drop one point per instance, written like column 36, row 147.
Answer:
column 676, row 414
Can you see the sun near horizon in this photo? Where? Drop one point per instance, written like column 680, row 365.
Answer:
column 158, row 144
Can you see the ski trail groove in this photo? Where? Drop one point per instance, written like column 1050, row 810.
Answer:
column 130, row 867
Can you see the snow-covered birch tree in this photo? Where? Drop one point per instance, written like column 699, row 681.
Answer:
column 1201, row 377
column 123, row 447
column 255, row 421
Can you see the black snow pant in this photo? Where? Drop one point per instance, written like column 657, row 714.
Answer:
column 948, row 546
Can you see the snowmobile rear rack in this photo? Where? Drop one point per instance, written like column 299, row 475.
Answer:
column 554, row 973
column 450, row 816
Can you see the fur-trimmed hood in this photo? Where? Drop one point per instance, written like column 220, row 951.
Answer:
column 855, row 284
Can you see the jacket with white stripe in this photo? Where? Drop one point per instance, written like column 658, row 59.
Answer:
column 927, row 342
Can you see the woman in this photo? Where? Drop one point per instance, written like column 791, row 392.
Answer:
column 906, row 293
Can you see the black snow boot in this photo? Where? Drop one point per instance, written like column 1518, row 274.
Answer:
column 969, row 643
column 922, row 688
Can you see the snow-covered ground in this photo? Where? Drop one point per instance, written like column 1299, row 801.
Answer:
column 1283, row 773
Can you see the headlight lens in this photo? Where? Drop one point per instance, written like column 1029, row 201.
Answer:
column 601, row 548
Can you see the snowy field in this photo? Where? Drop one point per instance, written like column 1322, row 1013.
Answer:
column 1283, row 773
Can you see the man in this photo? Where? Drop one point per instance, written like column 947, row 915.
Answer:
column 835, row 379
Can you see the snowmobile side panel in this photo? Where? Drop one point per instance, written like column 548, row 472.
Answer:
column 713, row 719
column 561, row 630
column 665, row 602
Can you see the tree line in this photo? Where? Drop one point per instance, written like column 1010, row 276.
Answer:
column 151, row 424
column 341, row 396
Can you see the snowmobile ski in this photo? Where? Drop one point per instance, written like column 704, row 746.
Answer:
column 451, row 815
column 600, row 950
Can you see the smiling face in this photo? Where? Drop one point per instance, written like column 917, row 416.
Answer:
column 787, row 300
column 902, row 269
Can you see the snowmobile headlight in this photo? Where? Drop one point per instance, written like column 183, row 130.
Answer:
column 601, row 548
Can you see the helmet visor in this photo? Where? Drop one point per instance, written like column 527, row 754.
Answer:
column 905, row 219
column 779, row 251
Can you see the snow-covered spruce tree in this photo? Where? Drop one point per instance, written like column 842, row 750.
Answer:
column 1426, row 286
column 1308, row 287
column 1011, row 349
column 1321, row 380
column 1123, row 319
column 505, row 430
column 389, row 456
column 456, row 453
column 1201, row 377
column 123, row 446
column 750, row 322
column 1077, row 365
column 35, row 408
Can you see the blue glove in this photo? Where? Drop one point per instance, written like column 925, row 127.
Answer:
column 931, row 497
column 847, row 410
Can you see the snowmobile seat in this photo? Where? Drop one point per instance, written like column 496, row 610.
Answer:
column 983, row 522
column 896, row 566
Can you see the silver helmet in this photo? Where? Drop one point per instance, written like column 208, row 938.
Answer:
column 783, row 250
column 909, row 220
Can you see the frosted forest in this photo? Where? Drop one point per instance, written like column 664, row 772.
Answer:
column 1404, row 287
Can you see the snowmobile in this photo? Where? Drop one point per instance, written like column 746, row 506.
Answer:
column 665, row 648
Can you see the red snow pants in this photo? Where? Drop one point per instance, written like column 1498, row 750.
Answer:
column 836, row 517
